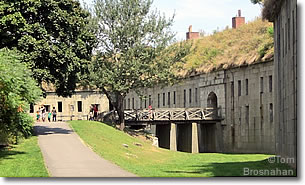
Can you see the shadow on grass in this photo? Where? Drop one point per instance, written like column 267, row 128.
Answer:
column 8, row 153
column 45, row 130
column 238, row 169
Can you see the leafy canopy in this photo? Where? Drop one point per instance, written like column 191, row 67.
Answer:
column 53, row 37
column 133, row 45
column 257, row 1
column 133, row 49
column 17, row 90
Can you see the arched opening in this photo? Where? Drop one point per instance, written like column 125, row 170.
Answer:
column 212, row 100
column 212, row 104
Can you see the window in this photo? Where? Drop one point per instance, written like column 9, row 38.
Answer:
column 72, row 107
column 158, row 100
column 279, row 38
column 232, row 89
column 196, row 95
column 286, row 38
column 190, row 96
column 174, row 98
column 31, row 108
column 132, row 103
column 145, row 103
column 283, row 42
column 262, row 85
column 79, row 106
column 184, row 98
column 59, row 106
column 149, row 100
column 247, row 87
column 168, row 99
column 247, row 115
column 128, row 103
column 141, row 106
column 271, row 112
column 239, row 87
column 47, row 108
column 163, row 99
column 124, row 103
column 289, row 34
column 270, row 83
column 293, row 30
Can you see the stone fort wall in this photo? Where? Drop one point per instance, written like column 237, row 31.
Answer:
column 244, row 99
column 285, row 41
column 76, row 107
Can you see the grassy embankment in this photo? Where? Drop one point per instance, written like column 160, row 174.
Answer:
column 250, row 43
column 149, row 161
column 23, row 160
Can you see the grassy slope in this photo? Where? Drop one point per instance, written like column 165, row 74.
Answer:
column 149, row 161
column 248, row 44
column 23, row 160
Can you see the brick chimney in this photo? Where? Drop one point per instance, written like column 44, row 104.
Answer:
column 191, row 34
column 238, row 20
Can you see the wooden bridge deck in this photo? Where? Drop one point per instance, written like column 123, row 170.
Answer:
column 171, row 114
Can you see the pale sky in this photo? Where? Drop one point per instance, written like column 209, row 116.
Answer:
column 207, row 15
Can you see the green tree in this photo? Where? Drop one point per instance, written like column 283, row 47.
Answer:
column 52, row 36
column 17, row 90
column 257, row 2
column 133, row 49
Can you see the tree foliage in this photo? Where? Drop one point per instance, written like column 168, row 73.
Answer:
column 135, row 49
column 17, row 90
column 257, row 1
column 53, row 37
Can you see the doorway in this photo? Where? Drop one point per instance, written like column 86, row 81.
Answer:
column 212, row 104
column 47, row 108
column 207, row 138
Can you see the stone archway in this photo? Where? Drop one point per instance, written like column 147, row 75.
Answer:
column 212, row 100
column 212, row 103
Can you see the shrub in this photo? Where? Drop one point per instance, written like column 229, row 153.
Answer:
column 17, row 91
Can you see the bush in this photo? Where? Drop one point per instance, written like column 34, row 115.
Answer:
column 17, row 91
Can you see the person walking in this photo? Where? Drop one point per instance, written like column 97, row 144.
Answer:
column 38, row 116
column 49, row 116
column 43, row 116
column 95, row 109
column 90, row 116
column 150, row 116
column 54, row 114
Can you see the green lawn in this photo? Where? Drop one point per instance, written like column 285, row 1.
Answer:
column 149, row 161
column 23, row 160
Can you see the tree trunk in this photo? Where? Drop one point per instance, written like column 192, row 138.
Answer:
column 120, row 109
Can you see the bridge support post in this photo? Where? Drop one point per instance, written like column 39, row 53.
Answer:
column 218, row 137
column 195, row 143
column 173, row 137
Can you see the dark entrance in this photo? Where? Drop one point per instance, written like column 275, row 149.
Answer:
column 212, row 104
column 163, row 134
column 207, row 138
column 184, row 138
column 47, row 108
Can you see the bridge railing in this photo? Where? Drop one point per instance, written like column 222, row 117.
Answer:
column 171, row 114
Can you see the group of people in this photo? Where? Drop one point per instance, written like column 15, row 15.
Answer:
column 93, row 113
column 41, row 114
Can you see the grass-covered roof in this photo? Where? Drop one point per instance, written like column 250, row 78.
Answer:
column 250, row 43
